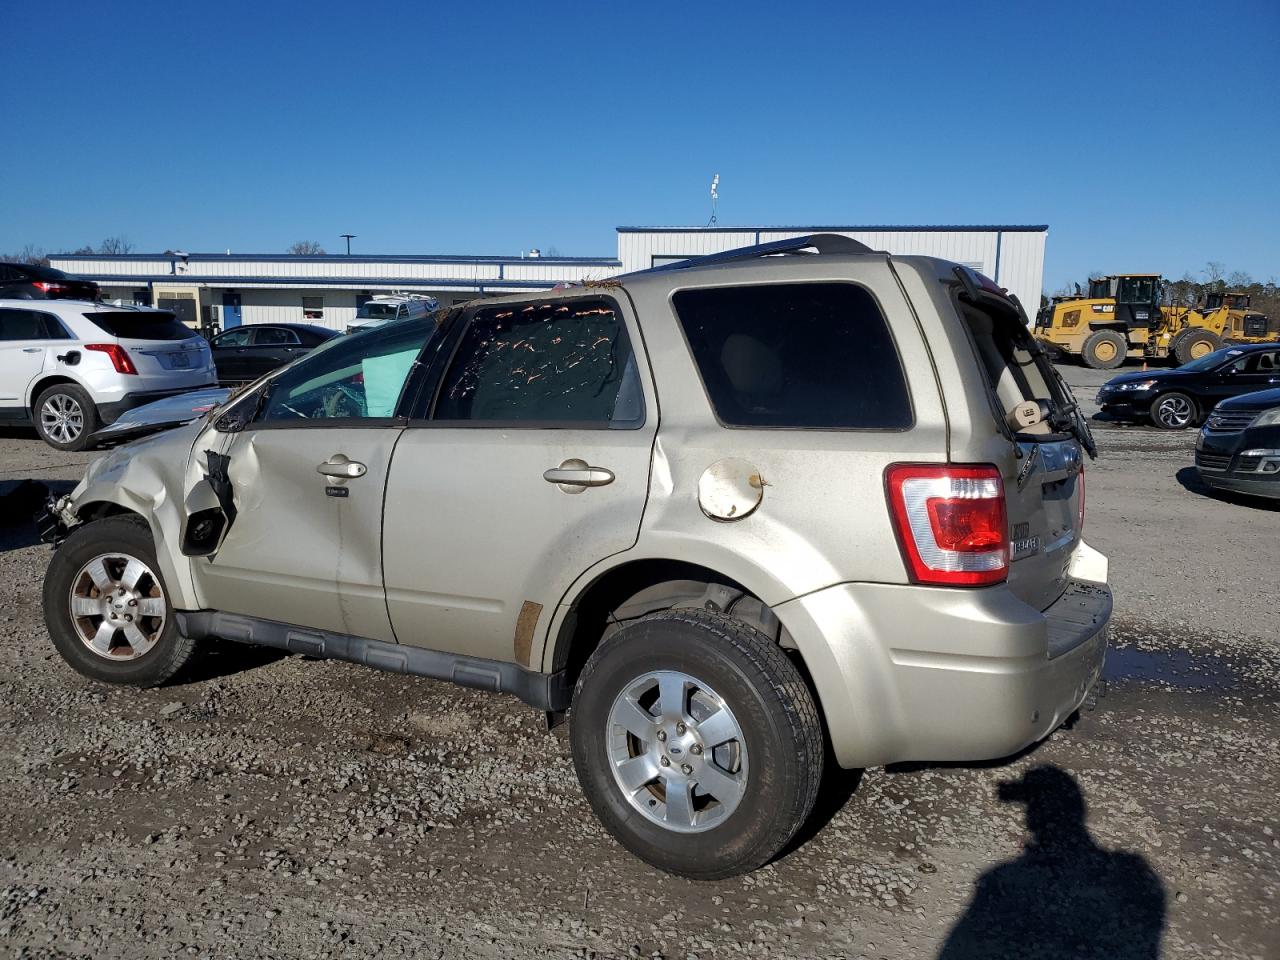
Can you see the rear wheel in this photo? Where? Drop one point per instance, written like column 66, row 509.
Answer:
column 1104, row 350
column 697, row 743
column 107, row 608
column 65, row 416
column 1173, row 411
column 1193, row 344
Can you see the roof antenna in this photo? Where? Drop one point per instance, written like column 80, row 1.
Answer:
column 715, row 195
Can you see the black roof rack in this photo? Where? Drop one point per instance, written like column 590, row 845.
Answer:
column 828, row 243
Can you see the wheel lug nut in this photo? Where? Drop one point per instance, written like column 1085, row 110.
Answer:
column 665, row 762
column 686, row 768
column 129, row 617
column 662, row 736
column 680, row 728
column 133, row 603
column 696, row 750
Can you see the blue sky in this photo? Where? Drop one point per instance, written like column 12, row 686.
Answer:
column 1145, row 135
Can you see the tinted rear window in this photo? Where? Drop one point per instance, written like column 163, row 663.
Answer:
column 815, row 355
column 131, row 325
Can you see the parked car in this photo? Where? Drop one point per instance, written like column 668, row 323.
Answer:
column 396, row 306
column 27, row 281
column 245, row 353
column 68, row 366
column 1175, row 399
column 1239, row 446
column 834, row 537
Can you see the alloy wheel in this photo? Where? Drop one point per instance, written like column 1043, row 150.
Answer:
column 117, row 606
column 1174, row 411
column 677, row 751
column 62, row 418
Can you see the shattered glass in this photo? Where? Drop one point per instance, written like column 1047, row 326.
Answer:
column 557, row 362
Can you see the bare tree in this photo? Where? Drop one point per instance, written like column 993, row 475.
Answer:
column 115, row 246
column 306, row 248
column 1213, row 272
column 1238, row 280
column 84, row 251
column 30, row 253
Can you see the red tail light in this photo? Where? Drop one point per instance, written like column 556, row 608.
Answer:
column 951, row 522
column 47, row 288
column 119, row 358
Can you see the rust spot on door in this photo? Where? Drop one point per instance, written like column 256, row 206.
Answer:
column 528, row 619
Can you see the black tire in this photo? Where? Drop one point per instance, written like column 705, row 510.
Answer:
column 65, row 397
column 127, row 537
column 1174, row 411
column 1104, row 350
column 780, row 726
column 1194, row 343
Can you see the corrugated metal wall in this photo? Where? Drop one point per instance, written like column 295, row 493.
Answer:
column 1021, row 253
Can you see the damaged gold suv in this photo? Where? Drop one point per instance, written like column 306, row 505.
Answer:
column 731, row 516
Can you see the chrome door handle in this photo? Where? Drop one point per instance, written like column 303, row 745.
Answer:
column 341, row 467
column 576, row 475
column 33, row 349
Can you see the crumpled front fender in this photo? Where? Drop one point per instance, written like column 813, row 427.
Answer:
column 149, row 477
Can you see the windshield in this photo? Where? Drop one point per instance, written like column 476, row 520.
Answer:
column 376, row 311
column 1137, row 290
column 1211, row 360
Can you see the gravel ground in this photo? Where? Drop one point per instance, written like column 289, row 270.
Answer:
column 276, row 806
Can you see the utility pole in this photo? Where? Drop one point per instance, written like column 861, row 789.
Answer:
column 348, row 237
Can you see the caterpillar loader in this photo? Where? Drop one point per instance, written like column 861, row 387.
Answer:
column 1228, row 315
column 1121, row 317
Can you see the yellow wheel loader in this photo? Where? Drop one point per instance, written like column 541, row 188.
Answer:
column 1120, row 317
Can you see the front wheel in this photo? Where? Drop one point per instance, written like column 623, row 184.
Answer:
column 1173, row 411
column 697, row 743
column 1104, row 350
column 107, row 609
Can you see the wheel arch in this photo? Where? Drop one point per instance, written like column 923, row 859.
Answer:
column 642, row 585
column 45, row 381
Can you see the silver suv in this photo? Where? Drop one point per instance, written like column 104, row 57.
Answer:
column 726, row 515
column 70, row 366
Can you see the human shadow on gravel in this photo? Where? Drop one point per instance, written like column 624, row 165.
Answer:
column 1065, row 897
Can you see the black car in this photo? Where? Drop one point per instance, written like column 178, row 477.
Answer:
column 1174, row 399
column 242, row 354
column 1239, row 447
column 27, row 281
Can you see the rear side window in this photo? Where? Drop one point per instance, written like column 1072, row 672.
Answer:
column 562, row 363
column 273, row 336
column 815, row 355
column 31, row 325
column 140, row 325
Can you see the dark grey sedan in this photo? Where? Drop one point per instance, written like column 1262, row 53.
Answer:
column 245, row 353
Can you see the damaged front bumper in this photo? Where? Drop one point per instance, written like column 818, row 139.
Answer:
column 56, row 519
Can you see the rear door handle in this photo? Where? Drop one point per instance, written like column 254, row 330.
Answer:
column 33, row 349
column 340, row 466
column 576, row 475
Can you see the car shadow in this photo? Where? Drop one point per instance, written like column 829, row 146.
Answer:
column 1189, row 478
column 20, row 502
column 225, row 658
column 1064, row 896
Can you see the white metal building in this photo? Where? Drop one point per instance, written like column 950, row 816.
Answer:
column 1012, row 256
column 263, row 288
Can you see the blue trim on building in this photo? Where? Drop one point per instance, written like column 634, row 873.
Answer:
column 339, row 258
column 999, row 241
column 169, row 279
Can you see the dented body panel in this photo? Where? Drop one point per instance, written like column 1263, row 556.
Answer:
column 482, row 539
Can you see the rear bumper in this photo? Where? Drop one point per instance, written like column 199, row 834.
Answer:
column 930, row 673
column 110, row 412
